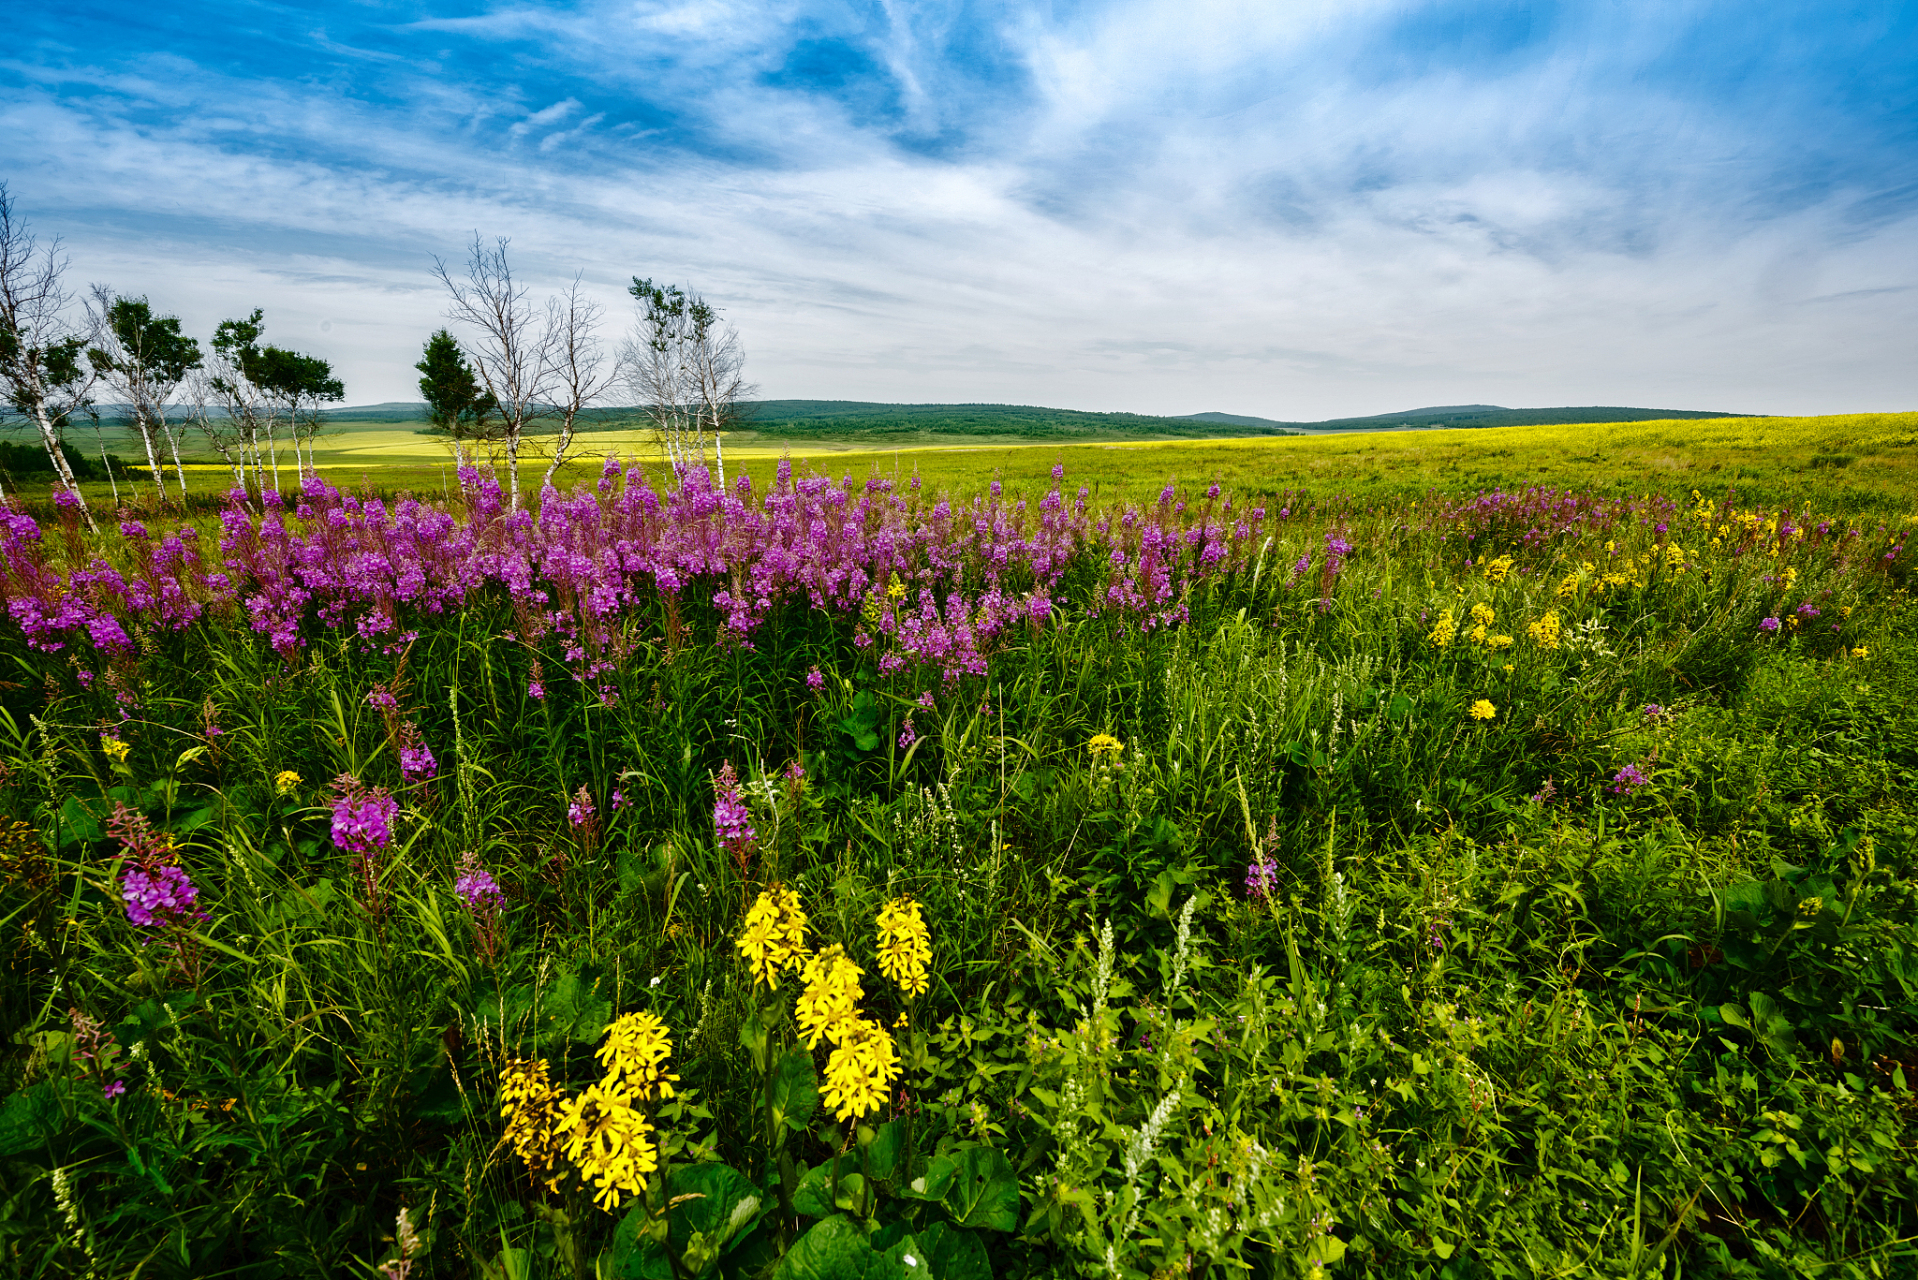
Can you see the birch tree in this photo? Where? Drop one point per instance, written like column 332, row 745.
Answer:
column 577, row 371
column 511, row 351
column 43, row 371
column 143, row 359
column 686, row 369
column 236, row 383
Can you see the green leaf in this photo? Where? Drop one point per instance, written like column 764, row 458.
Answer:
column 795, row 1090
column 889, row 1159
column 837, row 1249
column 813, row 1195
column 1734, row 1016
column 984, row 1191
column 952, row 1253
column 28, row 1118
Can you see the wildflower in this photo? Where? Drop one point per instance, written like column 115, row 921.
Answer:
column 580, row 811
column 285, row 781
column 1768, row 624
column 416, row 758
column 1103, row 744
column 775, row 934
column 1442, row 633
column 1483, row 709
column 617, row 800
column 732, row 822
column 410, row 1246
column 1545, row 794
column 830, row 1002
column 476, row 886
column 605, row 1138
column 1652, row 711
column 634, row 1055
column 530, row 1103
column 905, row 945
column 1629, row 781
column 362, row 819
column 1545, row 632
column 815, row 680
column 1496, row 571
column 1568, row 585
column 1484, row 615
column 907, row 735
column 1811, row 906
column 1861, row 651
column 160, row 895
column 115, row 747
column 1498, row 642
column 860, row 1072
column 1261, row 875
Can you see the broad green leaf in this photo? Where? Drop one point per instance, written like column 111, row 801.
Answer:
column 889, row 1159
column 953, row 1253
column 837, row 1249
column 795, row 1091
column 28, row 1118
column 984, row 1190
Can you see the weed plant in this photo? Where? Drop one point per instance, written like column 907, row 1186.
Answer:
column 1511, row 885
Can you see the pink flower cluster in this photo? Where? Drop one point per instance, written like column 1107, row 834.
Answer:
column 362, row 817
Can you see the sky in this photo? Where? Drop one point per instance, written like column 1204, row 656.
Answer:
column 1293, row 209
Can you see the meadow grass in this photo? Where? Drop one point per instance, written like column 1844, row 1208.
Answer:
column 1386, row 883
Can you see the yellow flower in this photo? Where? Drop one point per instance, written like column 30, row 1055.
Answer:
column 634, row 1055
column 1545, row 631
column 831, row 999
column 905, row 945
column 1861, row 651
column 1477, row 634
column 285, row 780
column 529, row 1104
column 1497, row 569
column 1568, row 585
column 861, row 1070
column 895, row 590
column 1509, row 668
column 1498, row 642
column 1104, row 743
column 1674, row 556
column 775, row 934
column 605, row 1137
column 1483, row 710
column 116, row 749
column 1442, row 633
column 1483, row 615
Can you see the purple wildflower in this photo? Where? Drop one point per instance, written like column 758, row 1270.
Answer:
column 362, row 818
column 925, row 699
column 617, row 800
column 907, row 735
column 732, row 821
column 416, row 758
column 1653, row 711
column 536, row 691
column 114, row 1089
column 1260, row 879
column 159, row 895
column 1768, row 624
column 1629, row 781
column 476, row 886
column 814, row 680
column 580, row 811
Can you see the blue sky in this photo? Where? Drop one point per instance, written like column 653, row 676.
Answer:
column 1294, row 210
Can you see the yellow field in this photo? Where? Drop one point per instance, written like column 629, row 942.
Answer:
column 1861, row 463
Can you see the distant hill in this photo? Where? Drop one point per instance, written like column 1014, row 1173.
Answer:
column 923, row 423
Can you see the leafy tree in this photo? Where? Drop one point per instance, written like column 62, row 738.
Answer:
column 455, row 401
column 144, row 358
column 300, row 384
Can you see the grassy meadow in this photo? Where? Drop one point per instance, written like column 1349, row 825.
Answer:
column 1442, row 854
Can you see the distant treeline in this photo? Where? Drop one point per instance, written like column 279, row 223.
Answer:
column 28, row 462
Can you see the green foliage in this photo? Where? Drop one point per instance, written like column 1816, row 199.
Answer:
column 1476, row 1026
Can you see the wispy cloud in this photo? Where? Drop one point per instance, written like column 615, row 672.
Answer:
column 1294, row 211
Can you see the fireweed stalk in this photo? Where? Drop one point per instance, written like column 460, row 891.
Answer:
column 484, row 901
column 363, row 826
column 160, row 896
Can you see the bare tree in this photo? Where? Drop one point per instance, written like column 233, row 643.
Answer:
column 513, row 353
column 205, row 409
column 143, row 359
column 577, row 370
column 686, row 368
column 42, row 369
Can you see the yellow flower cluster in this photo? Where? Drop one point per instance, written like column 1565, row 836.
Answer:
column 1497, row 569
column 1484, row 614
column 1442, row 633
column 830, row 1002
column 285, row 780
column 529, row 1103
column 605, row 1138
column 1545, row 631
column 1104, row 744
column 1568, row 585
column 1483, row 710
column 116, row 748
column 775, row 935
column 860, row 1072
column 905, row 945
column 634, row 1055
